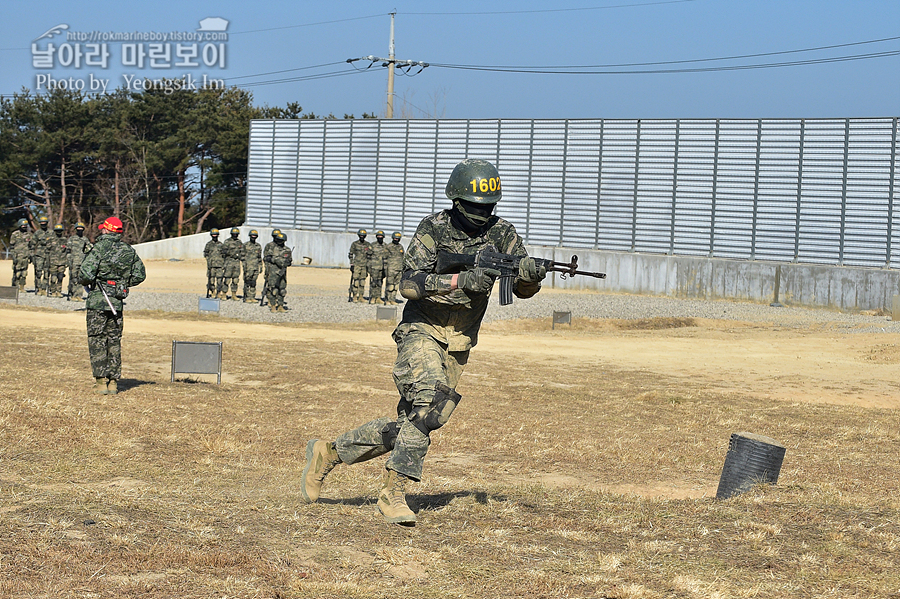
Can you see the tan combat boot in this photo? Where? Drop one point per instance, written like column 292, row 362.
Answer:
column 112, row 388
column 392, row 500
column 273, row 308
column 321, row 458
column 100, row 385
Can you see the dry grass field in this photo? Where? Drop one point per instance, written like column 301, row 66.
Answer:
column 582, row 462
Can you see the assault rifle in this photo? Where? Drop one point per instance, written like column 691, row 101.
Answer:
column 508, row 265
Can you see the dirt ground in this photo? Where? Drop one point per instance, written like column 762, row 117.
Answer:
column 815, row 366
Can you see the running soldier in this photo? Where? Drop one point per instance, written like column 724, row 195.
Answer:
column 56, row 261
column 111, row 268
column 279, row 258
column 215, row 266
column 359, row 258
column 394, row 268
column 233, row 250
column 251, row 258
column 77, row 246
column 376, row 267
column 21, row 243
column 439, row 326
column 39, row 255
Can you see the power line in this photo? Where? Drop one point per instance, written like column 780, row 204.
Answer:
column 547, row 71
column 549, row 10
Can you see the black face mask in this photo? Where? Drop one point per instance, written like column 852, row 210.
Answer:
column 471, row 218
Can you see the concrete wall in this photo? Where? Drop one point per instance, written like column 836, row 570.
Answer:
column 848, row 289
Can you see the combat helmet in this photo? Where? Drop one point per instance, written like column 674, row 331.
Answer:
column 276, row 233
column 379, row 234
column 20, row 222
column 362, row 233
column 79, row 225
column 396, row 235
column 58, row 227
column 235, row 231
column 214, row 233
column 43, row 220
column 475, row 181
column 254, row 233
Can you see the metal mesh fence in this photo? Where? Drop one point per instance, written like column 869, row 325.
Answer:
column 793, row 190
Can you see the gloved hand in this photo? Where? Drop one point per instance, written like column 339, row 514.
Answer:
column 530, row 272
column 479, row 280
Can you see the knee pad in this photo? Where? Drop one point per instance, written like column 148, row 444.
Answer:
column 437, row 413
column 389, row 434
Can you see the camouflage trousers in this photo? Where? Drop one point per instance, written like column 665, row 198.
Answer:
column 276, row 287
column 40, row 272
column 392, row 281
column 20, row 270
column 358, row 282
column 422, row 362
column 376, row 279
column 215, row 279
column 250, row 277
column 105, row 343
column 55, row 275
column 232, row 275
column 76, row 289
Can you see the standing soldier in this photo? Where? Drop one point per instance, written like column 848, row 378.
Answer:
column 215, row 266
column 279, row 258
column 56, row 261
column 440, row 325
column 76, row 247
column 251, row 256
column 39, row 256
column 21, row 244
column 110, row 268
column 376, row 267
column 270, row 247
column 359, row 257
column 394, row 268
column 233, row 250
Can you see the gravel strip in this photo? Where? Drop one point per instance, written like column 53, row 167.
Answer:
column 312, row 304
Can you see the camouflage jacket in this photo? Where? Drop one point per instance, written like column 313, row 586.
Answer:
column 451, row 317
column 251, row 256
column 359, row 253
column 21, row 243
column 278, row 256
column 112, row 265
column 215, row 256
column 233, row 249
column 395, row 255
column 378, row 256
column 56, row 250
column 39, row 246
column 77, row 246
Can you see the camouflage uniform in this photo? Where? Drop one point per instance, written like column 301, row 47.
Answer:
column 252, row 257
column 215, row 268
column 279, row 258
column 359, row 258
column 21, row 244
column 376, row 266
column 77, row 246
column 394, row 268
column 233, row 250
column 113, row 266
column 433, row 338
column 56, row 262
column 39, row 258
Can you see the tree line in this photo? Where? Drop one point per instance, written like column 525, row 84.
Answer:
column 167, row 163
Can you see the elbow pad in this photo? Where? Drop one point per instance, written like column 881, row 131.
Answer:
column 413, row 287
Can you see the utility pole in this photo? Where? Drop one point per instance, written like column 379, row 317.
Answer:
column 390, row 93
column 392, row 63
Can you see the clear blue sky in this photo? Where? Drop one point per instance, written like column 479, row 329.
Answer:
column 266, row 37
